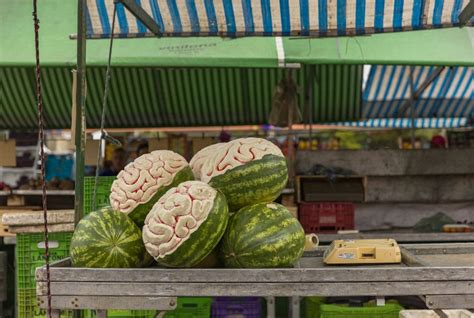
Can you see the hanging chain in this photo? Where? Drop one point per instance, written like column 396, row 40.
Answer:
column 39, row 100
column 104, row 110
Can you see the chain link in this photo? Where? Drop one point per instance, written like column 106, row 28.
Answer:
column 39, row 100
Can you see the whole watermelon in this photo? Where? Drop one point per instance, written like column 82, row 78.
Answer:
column 107, row 239
column 263, row 235
column 247, row 171
column 142, row 182
column 198, row 160
column 186, row 224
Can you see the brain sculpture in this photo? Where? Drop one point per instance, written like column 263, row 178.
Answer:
column 145, row 180
column 200, row 157
column 247, row 171
column 186, row 224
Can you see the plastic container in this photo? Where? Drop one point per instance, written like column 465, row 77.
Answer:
column 312, row 306
column 28, row 305
column 338, row 311
column 122, row 314
column 326, row 217
column 30, row 255
column 248, row 307
column 191, row 307
column 433, row 314
column 103, row 192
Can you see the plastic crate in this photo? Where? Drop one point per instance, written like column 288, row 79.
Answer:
column 338, row 311
column 326, row 217
column 28, row 305
column 312, row 306
column 122, row 314
column 191, row 307
column 248, row 307
column 103, row 192
column 30, row 255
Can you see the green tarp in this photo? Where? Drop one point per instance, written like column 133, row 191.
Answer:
column 58, row 21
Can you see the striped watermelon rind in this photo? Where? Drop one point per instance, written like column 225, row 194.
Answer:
column 107, row 239
column 258, row 181
column 138, row 215
column 263, row 235
column 203, row 241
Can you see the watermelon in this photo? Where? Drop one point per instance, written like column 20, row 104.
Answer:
column 142, row 182
column 107, row 239
column 247, row 171
column 186, row 224
column 200, row 158
column 263, row 235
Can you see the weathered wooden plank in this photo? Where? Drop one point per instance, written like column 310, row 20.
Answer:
column 449, row 301
column 107, row 302
column 259, row 289
column 52, row 228
column 410, row 258
column 339, row 274
column 36, row 217
column 401, row 237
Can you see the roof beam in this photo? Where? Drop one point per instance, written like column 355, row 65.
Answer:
column 141, row 15
column 466, row 14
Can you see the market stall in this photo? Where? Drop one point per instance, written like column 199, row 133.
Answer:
column 224, row 19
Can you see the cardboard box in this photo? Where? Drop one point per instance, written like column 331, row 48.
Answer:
column 199, row 143
column 92, row 149
column 8, row 153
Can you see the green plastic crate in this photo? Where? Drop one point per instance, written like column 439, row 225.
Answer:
column 122, row 314
column 29, row 255
column 28, row 305
column 312, row 306
column 103, row 191
column 390, row 310
column 191, row 307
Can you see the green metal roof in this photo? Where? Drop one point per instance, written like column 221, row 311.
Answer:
column 151, row 97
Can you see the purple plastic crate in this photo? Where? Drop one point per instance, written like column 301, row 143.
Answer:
column 242, row 307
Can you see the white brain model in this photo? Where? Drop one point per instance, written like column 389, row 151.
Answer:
column 200, row 158
column 236, row 153
column 139, row 180
column 175, row 216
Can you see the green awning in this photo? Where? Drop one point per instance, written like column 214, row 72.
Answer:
column 157, row 97
column 58, row 20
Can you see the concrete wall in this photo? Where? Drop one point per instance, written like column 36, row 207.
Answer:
column 418, row 176
column 391, row 162
column 386, row 216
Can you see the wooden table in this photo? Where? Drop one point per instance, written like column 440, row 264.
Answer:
column 443, row 274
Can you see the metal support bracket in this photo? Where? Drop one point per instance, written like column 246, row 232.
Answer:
column 416, row 94
column 141, row 15
column 466, row 14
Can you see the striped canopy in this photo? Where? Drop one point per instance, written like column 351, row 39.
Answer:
column 407, row 123
column 273, row 17
column 449, row 94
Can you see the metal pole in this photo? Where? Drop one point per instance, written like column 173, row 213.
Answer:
column 80, row 132
column 80, row 135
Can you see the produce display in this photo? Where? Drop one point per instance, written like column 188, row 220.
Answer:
column 263, row 235
column 142, row 182
column 225, row 218
column 186, row 224
column 247, row 171
column 200, row 158
column 107, row 239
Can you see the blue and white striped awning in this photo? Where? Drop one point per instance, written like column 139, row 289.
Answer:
column 274, row 17
column 450, row 94
column 406, row 123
